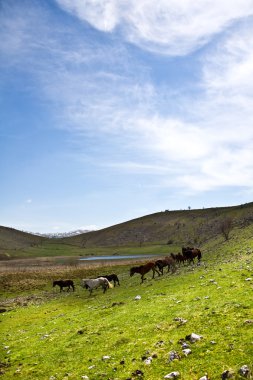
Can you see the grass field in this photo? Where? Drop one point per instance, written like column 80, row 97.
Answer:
column 50, row 335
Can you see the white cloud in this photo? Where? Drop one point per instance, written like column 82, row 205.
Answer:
column 174, row 27
column 104, row 92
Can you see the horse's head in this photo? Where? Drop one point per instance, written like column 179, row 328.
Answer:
column 54, row 283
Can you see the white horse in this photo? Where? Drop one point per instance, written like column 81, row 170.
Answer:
column 95, row 283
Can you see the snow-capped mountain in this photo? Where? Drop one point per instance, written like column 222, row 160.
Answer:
column 55, row 235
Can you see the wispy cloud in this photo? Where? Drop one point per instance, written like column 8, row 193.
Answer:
column 105, row 92
column 176, row 27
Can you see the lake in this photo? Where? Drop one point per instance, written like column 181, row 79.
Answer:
column 116, row 257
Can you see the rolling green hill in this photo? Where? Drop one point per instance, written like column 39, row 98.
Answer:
column 162, row 229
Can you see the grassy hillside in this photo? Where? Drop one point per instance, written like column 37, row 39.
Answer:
column 156, row 233
column 50, row 335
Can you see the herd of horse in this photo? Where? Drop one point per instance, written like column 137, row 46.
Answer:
column 187, row 255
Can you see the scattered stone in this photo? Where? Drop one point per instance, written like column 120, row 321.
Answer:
column 118, row 303
column 173, row 355
column 248, row 321
column 148, row 361
column 227, row 374
column 45, row 336
column 160, row 343
column 193, row 337
column 172, row 375
column 138, row 372
column 122, row 362
column 80, row 332
column 185, row 345
column 248, row 279
column 204, row 377
column 187, row 351
column 106, row 357
column 180, row 320
column 213, row 342
column 244, row 371
column 84, row 377
column 137, row 298
column 91, row 367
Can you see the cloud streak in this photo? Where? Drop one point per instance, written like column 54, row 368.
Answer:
column 177, row 27
column 106, row 93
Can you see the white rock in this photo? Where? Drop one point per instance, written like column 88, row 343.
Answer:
column 244, row 371
column 173, row 355
column 148, row 360
column 106, row 357
column 194, row 337
column 137, row 297
column 85, row 377
column 248, row 279
column 172, row 375
column 187, row 351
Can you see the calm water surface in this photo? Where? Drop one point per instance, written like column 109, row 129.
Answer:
column 116, row 257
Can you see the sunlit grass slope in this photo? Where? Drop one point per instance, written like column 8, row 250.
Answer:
column 67, row 335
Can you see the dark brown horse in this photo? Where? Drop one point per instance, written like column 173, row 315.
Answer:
column 64, row 284
column 143, row 269
column 178, row 257
column 166, row 262
column 190, row 254
column 112, row 277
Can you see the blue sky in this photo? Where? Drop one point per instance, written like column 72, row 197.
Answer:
column 111, row 110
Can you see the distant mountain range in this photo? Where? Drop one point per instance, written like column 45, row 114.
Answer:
column 59, row 235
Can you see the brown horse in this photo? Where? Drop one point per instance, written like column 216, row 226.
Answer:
column 64, row 284
column 178, row 257
column 166, row 262
column 143, row 269
column 190, row 253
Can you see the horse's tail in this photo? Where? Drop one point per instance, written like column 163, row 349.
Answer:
column 110, row 285
column 199, row 254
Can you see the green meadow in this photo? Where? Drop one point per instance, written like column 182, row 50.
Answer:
column 50, row 335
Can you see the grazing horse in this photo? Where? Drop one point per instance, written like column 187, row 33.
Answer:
column 178, row 257
column 190, row 253
column 112, row 277
column 64, row 284
column 143, row 269
column 166, row 262
column 95, row 283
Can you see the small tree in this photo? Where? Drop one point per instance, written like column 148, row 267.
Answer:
column 226, row 227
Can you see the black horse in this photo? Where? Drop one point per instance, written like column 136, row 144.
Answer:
column 112, row 277
column 64, row 284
